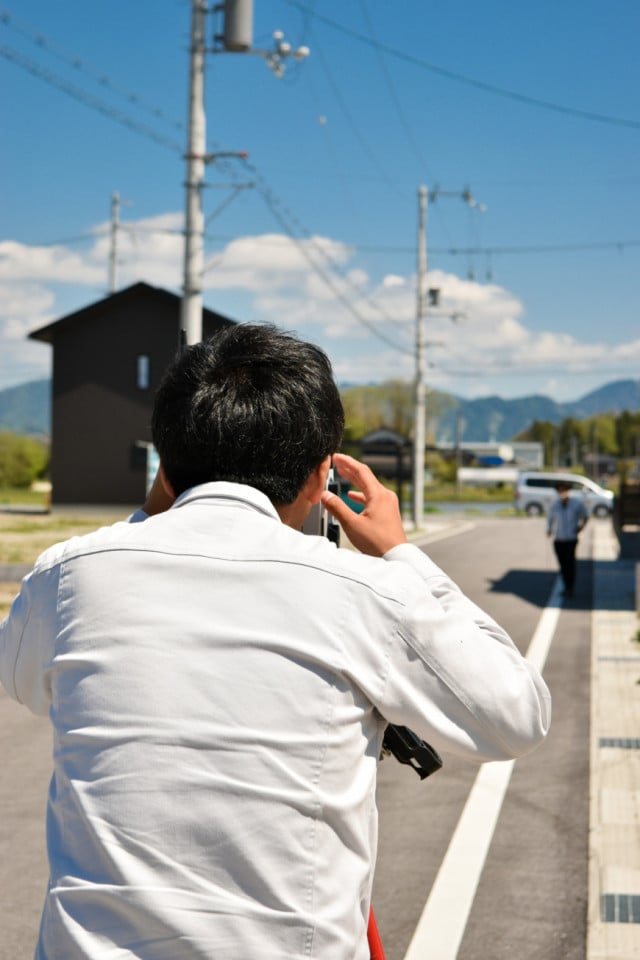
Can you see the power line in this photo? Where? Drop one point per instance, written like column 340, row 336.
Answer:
column 619, row 245
column 364, row 143
column 309, row 248
column 87, row 99
column 79, row 65
column 404, row 123
column 462, row 78
column 305, row 249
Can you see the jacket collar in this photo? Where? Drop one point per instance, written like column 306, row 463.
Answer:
column 238, row 492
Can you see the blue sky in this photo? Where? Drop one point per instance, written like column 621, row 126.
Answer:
column 533, row 107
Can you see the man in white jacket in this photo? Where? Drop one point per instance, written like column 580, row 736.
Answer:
column 219, row 683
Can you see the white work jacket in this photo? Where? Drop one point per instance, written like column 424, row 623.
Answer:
column 217, row 684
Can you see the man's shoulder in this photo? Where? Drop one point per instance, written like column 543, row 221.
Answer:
column 399, row 576
column 102, row 538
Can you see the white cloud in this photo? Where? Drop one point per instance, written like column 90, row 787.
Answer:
column 55, row 263
column 392, row 280
column 477, row 335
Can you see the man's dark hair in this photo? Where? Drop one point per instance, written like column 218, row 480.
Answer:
column 251, row 405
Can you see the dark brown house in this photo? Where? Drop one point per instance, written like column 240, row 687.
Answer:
column 108, row 359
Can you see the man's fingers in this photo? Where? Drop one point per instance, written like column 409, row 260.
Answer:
column 337, row 507
column 355, row 472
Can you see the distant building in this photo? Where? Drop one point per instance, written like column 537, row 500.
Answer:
column 526, row 454
column 108, row 359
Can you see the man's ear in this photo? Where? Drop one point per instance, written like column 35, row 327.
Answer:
column 317, row 481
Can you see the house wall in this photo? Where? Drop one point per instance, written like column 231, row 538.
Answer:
column 99, row 413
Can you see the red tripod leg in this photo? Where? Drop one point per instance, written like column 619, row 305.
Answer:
column 375, row 943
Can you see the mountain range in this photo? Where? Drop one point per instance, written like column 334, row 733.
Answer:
column 27, row 409
column 494, row 418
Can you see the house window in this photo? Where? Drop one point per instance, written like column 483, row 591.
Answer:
column 142, row 371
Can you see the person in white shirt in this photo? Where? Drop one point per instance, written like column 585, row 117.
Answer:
column 219, row 683
column 566, row 518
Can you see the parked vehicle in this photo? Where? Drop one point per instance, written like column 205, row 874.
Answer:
column 535, row 491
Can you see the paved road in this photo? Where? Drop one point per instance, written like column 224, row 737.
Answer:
column 531, row 898
column 25, row 748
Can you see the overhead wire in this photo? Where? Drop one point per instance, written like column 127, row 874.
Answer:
column 619, row 245
column 308, row 248
column 267, row 194
column 77, row 93
column 355, row 129
column 469, row 81
column 404, row 123
column 79, row 65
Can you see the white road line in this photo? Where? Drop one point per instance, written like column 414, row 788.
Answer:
column 441, row 927
column 449, row 531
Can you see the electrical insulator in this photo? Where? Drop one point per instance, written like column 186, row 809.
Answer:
column 238, row 25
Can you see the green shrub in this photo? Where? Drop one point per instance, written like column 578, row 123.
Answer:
column 22, row 460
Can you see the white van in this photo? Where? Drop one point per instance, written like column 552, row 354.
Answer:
column 535, row 491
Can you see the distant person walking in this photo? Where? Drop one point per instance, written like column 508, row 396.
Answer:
column 567, row 517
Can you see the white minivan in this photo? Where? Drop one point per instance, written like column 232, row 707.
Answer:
column 535, row 491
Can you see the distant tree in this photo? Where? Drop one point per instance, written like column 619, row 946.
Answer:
column 443, row 470
column 22, row 460
column 628, row 434
column 390, row 404
column 570, row 438
column 601, row 434
column 541, row 431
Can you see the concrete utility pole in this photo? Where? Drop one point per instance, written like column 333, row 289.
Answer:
column 419, row 429
column 191, row 307
column 236, row 37
column 113, row 251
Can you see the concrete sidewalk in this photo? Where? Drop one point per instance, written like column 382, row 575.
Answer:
column 614, row 843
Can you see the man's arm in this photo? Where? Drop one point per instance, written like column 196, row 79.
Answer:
column 583, row 518
column 27, row 636
column 454, row 676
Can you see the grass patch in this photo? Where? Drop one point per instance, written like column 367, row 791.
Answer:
column 19, row 497
column 22, row 539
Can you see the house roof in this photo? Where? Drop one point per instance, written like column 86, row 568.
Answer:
column 48, row 333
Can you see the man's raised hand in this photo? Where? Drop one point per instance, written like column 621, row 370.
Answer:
column 379, row 527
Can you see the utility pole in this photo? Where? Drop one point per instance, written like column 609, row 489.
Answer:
column 191, row 306
column 113, row 251
column 235, row 37
column 419, row 430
